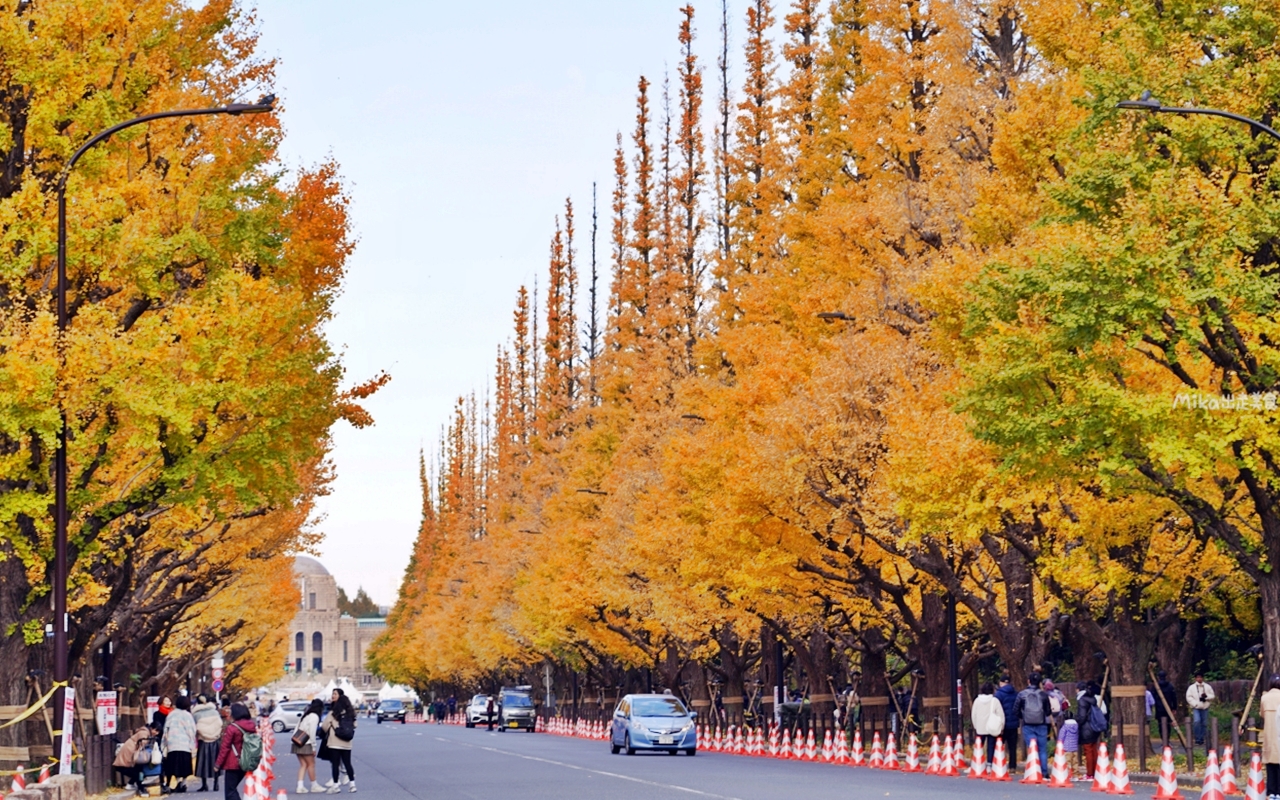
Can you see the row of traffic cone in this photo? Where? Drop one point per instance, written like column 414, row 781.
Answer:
column 19, row 781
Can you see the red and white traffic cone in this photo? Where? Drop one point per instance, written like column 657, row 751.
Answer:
column 857, row 758
column 948, row 760
column 934, row 765
column 913, row 754
column 999, row 764
column 1119, row 773
column 1102, row 772
column 19, row 782
column 1212, row 789
column 978, row 767
column 827, row 752
column 785, row 750
column 1060, row 774
column 877, row 752
column 44, row 775
column 842, row 748
column 1167, row 782
column 891, row 753
column 810, row 747
column 1227, row 772
column 958, row 755
column 1255, row 787
column 1031, row 774
column 774, row 750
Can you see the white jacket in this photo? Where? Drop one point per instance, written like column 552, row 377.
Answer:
column 988, row 715
column 1193, row 695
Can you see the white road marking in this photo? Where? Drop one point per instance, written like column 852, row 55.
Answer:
column 677, row 787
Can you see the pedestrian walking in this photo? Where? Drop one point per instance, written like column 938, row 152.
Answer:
column 1199, row 698
column 1008, row 697
column 208, row 734
column 1033, row 711
column 1091, row 723
column 1269, row 706
column 1059, row 705
column 179, row 744
column 340, row 729
column 229, row 749
column 489, row 711
column 303, row 745
column 453, row 705
column 988, row 719
column 127, row 761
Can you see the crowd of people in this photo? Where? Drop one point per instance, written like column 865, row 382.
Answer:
column 216, row 743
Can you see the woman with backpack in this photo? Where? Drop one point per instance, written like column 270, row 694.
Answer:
column 1092, row 723
column 306, row 732
column 232, row 745
column 179, row 743
column 340, row 728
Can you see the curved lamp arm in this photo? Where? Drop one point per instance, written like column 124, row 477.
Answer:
column 1148, row 103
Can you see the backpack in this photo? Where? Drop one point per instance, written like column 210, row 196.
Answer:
column 1033, row 703
column 250, row 752
column 1097, row 720
column 346, row 728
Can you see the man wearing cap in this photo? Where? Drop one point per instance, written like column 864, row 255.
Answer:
column 1199, row 698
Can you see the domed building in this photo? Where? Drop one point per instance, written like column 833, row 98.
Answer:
column 326, row 642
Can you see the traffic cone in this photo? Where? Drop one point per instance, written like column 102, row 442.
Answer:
column 1167, row 782
column 1060, row 775
column 856, row 757
column 934, row 766
column 948, row 760
column 978, row 767
column 740, row 742
column 810, row 747
column 1031, row 774
column 827, row 753
column 785, row 750
column 1102, row 772
column 999, row 764
column 891, row 753
column 1255, row 785
column 1119, row 773
column 842, row 748
column 913, row 755
column 282, row 795
column 1227, row 772
column 1212, row 789
column 717, row 743
column 19, row 782
column 44, row 775
column 877, row 752
column 774, row 751
column 958, row 755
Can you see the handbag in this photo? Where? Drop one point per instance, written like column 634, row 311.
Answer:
column 300, row 737
column 157, row 757
column 142, row 756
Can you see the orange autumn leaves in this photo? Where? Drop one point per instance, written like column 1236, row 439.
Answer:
column 799, row 454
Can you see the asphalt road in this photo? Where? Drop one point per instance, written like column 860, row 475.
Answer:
column 399, row 762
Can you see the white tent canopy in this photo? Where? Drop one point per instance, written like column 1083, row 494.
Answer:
column 348, row 688
column 396, row 692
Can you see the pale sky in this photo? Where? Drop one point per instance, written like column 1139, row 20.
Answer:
column 460, row 129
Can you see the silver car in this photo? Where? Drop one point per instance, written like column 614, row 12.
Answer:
column 476, row 711
column 287, row 715
column 653, row 722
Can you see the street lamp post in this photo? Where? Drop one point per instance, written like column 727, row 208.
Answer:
column 1149, row 104
column 61, row 659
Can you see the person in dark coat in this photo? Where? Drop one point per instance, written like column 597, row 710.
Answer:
column 1166, row 690
column 1086, row 702
column 1008, row 697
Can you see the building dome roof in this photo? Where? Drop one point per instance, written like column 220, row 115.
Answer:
column 306, row 565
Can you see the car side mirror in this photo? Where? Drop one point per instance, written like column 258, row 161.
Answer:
column 693, row 714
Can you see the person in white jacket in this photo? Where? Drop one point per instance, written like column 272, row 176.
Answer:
column 988, row 719
column 306, row 752
column 1199, row 698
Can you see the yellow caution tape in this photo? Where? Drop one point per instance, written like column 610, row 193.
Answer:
column 39, row 704
column 53, row 762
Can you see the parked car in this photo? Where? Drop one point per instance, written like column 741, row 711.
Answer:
column 393, row 710
column 516, row 710
column 653, row 722
column 287, row 715
column 476, row 711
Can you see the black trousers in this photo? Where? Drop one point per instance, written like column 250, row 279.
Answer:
column 231, row 789
column 1273, row 779
column 342, row 757
column 131, row 775
column 1011, row 738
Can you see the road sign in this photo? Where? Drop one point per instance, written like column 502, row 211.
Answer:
column 217, row 684
column 217, row 673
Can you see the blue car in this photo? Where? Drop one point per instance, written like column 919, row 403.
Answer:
column 653, row 722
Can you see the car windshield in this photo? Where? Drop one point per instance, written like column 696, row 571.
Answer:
column 657, row 707
column 392, row 705
column 294, row 707
column 517, row 700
